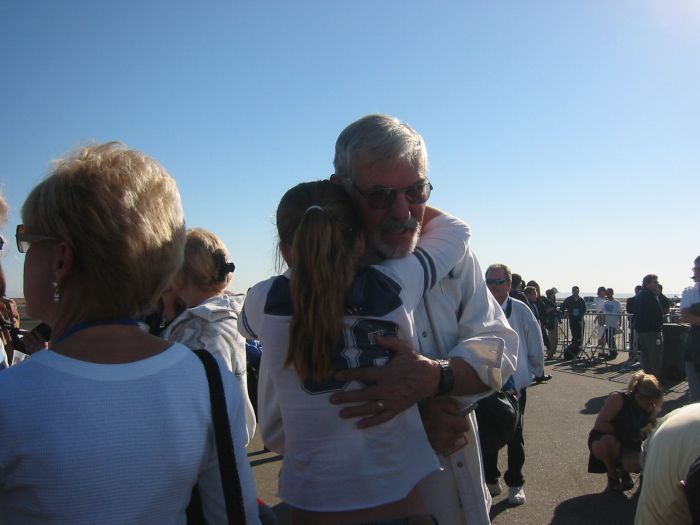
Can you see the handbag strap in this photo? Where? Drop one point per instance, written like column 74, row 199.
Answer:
column 233, row 495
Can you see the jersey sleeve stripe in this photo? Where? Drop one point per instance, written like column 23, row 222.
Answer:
column 244, row 320
column 426, row 277
column 431, row 263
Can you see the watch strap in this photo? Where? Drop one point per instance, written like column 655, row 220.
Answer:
column 447, row 378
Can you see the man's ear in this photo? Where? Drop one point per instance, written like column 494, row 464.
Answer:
column 337, row 179
column 63, row 261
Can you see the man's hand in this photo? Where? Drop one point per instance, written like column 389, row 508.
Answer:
column 405, row 380
column 444, row 424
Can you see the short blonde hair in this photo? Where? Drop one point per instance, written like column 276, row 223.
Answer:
column 207, row 261
column 120, row 212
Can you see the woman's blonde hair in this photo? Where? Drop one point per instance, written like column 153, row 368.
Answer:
column 318, row 221
column 646, row 385
column 121, row 214
column 207, row 265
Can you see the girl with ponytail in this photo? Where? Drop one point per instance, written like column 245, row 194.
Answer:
column 322, row 316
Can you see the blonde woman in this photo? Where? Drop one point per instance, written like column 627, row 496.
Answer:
column 110, row 424
column 210, row 321
column 616, row 438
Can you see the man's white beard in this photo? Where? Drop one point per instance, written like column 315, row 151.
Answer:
column 394, row 252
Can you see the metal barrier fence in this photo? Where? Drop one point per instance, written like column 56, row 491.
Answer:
column 596, row 334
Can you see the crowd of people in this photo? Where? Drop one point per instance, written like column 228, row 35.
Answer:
column 371, row 365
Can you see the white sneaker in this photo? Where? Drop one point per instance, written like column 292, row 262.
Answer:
column 494, row 488
column 516, row 495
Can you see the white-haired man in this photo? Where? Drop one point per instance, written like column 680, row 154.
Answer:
column 466, row 348
column 530, row 363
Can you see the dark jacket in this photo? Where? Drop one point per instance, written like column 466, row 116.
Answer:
column 647, row 312
column 576, row 307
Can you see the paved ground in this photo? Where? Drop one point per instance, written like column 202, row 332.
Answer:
column 558, row 417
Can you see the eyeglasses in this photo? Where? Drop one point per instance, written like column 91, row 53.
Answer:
column 25, row 240
column 383, row 198
column 496, row 281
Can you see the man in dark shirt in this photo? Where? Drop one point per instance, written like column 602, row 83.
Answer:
column 629, row 308
column 664, row 301
column 575, row 306
column 516, row 292
column 648, row 321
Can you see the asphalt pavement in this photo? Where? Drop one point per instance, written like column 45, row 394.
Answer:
column 558, row 417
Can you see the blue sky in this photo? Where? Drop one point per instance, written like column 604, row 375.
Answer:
column 565, row 133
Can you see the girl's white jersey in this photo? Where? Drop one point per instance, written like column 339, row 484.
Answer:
column 329, row 464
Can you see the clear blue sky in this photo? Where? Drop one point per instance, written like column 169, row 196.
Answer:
column 565, row 133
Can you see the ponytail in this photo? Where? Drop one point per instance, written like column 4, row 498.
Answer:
column 324, row 263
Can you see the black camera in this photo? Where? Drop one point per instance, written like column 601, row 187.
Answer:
column 15, row 334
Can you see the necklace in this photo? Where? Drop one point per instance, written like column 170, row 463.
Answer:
column 82, row 326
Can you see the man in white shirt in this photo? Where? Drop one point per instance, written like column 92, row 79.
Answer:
column 466, row 347
column 612, row 310
column 530, row 364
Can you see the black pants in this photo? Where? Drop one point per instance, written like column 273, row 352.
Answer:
column 576, row 326
column 516, row 455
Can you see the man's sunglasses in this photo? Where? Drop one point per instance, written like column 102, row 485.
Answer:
column 383, row 198
column 25, row 239
column 496, row 281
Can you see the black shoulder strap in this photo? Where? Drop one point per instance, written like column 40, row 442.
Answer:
column 233, row 495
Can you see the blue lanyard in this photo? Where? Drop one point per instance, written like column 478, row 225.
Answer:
column 82, row 326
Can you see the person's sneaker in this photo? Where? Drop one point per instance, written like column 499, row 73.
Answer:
column 543, row 377
column 627, row 482
column 494, row 488
column 516, row 495
column 614, row 484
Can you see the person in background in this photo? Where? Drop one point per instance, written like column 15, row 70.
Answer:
column 517, row 289
column 532, row 294
column 552, row 319
column 629, row 309
column 464, row 353
column 9, row 316
column 600, row 299
column 690, row 313
column 210, row 321
column 575, row 307
column 664, row 301
column 530, row 363
column 648, row 323
column 615, row 442
column 612, row 310
column 118, row 427
column 167, row 309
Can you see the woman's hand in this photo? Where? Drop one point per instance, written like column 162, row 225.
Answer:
column 654, row 410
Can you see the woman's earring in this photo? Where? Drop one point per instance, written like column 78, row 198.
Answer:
column 56, row 292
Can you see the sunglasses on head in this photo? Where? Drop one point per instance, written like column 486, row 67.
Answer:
column 383, row 198
column 496, row 281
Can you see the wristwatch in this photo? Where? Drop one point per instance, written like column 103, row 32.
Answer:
column 447, row 377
